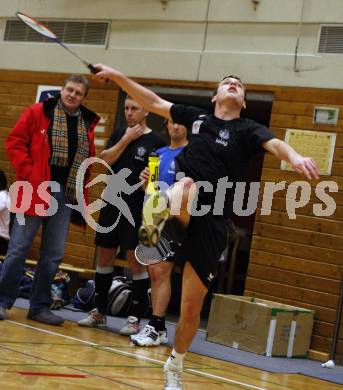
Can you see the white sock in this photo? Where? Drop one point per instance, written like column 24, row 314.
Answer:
column 175, row 359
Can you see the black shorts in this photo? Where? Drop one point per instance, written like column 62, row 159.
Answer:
column 205, row 242
column 123, row 235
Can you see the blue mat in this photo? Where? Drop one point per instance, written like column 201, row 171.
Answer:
column 202, row 347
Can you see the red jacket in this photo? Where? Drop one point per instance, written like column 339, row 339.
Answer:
column 28, row 148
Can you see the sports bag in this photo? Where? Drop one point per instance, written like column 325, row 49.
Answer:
column 84, row 298
column 120, row 297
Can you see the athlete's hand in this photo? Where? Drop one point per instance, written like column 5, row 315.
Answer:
column 144, row 177
column 104, row 73
column 134, row 132
column 306, row 167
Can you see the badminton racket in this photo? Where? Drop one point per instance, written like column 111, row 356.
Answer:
column 41, row 29
column 149, row 255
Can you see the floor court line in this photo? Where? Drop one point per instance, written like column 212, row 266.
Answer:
column 51, row 374
column 138, row 356
column 102, row 346
column 51, row 362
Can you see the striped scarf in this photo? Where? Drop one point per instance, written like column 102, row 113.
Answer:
column 59, row 146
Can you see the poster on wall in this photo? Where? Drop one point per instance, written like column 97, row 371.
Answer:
column 47, row 91
column 318, row 144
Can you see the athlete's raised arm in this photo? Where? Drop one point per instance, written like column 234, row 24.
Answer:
column 144, row 96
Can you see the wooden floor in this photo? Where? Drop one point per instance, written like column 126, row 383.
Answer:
column 34, row 356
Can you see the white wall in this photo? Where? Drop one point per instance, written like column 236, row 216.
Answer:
column 190, row 39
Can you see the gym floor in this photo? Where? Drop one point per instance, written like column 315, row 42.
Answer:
column 37, row 356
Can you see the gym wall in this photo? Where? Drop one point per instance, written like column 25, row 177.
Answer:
column 198, row 40
column 299, row 261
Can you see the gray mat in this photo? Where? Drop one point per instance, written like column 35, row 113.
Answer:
column 202, row 347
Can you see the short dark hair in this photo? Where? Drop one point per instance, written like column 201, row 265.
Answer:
column 231, row 76
column 128, row 97
column 3, row 181
column 80, row 79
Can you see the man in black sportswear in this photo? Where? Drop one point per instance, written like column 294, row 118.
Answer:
column 220, row 147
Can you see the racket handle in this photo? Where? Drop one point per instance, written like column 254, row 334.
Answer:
column 94, row 70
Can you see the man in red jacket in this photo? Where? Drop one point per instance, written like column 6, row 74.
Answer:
column 46, row 147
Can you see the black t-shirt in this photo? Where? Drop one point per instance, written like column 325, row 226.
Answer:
column 217, row 149
column 135, row 156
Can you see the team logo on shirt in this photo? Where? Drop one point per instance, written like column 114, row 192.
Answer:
column 210, row 277
column 171, row 168
column 140, row 153
column 224, row 136
column 196, row 126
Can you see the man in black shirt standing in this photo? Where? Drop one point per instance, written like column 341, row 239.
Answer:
column 126, row 149
column 219, row 149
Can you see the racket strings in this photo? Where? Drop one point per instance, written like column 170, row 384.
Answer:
column 148, row 255
column 45, row 31
column 164, row 248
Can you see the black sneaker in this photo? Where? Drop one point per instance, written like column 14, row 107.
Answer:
column 45, row 316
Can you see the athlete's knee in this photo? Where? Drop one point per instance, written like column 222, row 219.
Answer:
column 181, row 187
column 187, row 185
column 136, row 268
column 105, row 262
column 190, row 311
column 181, row 195
column 187, row 182
column 105, row 257
column 158, row 275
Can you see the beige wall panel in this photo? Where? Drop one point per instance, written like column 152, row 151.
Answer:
column 271, row 69
column 149, row 40
column 255, row 68
column 46, row 57
column 328, row 11
column 2, row 27
column 276, row 11
column 220, row 10
column 108, row 9
column 147, row 63
column 243, row 10
column 262, row 37
column 171, row 64
column 157, row 35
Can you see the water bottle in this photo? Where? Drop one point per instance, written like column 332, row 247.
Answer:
column 153, row 164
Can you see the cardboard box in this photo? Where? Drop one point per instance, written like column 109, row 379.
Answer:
column 260, row 326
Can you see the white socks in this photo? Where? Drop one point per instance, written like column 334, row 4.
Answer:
column 175, row 361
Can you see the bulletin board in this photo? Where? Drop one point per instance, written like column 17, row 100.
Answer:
column 319, row 145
